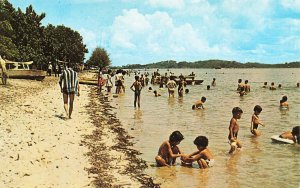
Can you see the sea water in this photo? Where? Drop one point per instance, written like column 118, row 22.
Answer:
column 261, row 163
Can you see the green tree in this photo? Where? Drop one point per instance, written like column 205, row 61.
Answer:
column 62, row 43
column 7, row 47
column 99, row 58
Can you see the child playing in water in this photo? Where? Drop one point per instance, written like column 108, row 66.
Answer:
column 294, row 135
column 137, row 90
column 283, row 102
column 169, row 151
column 156, row 94
column 203, row 156
column 240, row 85
column 234, row 129
column 272, row 87
column 247, row 86
column 255, row 121
column 265, row 85
column 199, row 104
column 213, row 83
column 242, row 92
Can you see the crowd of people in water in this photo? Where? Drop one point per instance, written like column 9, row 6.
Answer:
column 169, row 150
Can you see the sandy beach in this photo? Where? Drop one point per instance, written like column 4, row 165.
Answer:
column 39, row 147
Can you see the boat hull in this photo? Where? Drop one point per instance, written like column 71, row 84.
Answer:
column 26, row 74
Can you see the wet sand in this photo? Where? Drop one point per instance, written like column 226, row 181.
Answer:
column 39, row 147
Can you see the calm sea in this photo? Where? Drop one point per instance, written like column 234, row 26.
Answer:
column 261, row 163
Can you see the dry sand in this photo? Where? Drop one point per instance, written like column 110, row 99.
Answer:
column 40, row 148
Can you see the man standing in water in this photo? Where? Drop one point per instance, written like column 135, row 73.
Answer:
column 69, row 86
column 137, row 91
column 171, row 85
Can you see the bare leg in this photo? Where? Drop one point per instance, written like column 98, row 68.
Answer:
column 256, row 132
column 135, row 98
column 233, row 146
column 65, row 98
column 139, row 99
column 202, row 163
column 175, row 150
column 160, row 161
column 71, row 104
column 239, row 144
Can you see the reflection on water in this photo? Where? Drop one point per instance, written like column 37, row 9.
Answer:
column 260, row 162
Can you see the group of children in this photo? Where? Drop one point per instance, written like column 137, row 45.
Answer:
column 169, row 150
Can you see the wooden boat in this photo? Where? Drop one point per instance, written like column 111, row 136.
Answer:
column 191, row 82
column 89, row 81
column 21, row 70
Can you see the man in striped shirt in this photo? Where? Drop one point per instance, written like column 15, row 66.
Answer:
column 69, row 85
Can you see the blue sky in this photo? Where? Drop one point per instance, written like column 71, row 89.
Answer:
column 136, row 31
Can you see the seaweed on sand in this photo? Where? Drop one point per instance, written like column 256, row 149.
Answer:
column 102, row 116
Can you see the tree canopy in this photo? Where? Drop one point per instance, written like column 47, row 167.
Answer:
column 23, row 38
column 99, row 58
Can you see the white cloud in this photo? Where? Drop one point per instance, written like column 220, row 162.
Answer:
column 291, row 4
column 84, row 1
column 177, row 4
column 127, row 26
column 157, row 35
column 90, row 38
column 290, row 42
column 254, row 13
column 198, row 7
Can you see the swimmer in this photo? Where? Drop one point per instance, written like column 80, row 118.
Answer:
column 199, row 104
column 156, row 94
column 265, row 85
column 272, row 87
column 292, row 135
column 283, row 102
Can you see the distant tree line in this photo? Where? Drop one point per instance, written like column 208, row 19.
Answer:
column 23, row 38
column 209, row 64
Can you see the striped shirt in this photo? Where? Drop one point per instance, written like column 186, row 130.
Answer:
column 68, row 81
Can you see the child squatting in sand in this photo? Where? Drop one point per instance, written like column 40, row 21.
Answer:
column 203, row 155
column 169, row 151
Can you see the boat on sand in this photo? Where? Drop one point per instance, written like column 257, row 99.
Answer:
column 21, row 70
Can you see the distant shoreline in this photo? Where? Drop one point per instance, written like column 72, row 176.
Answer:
column 208, row 64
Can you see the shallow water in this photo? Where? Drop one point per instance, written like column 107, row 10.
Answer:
column 261, row 163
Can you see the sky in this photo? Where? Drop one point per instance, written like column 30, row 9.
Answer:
column 149, row 31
